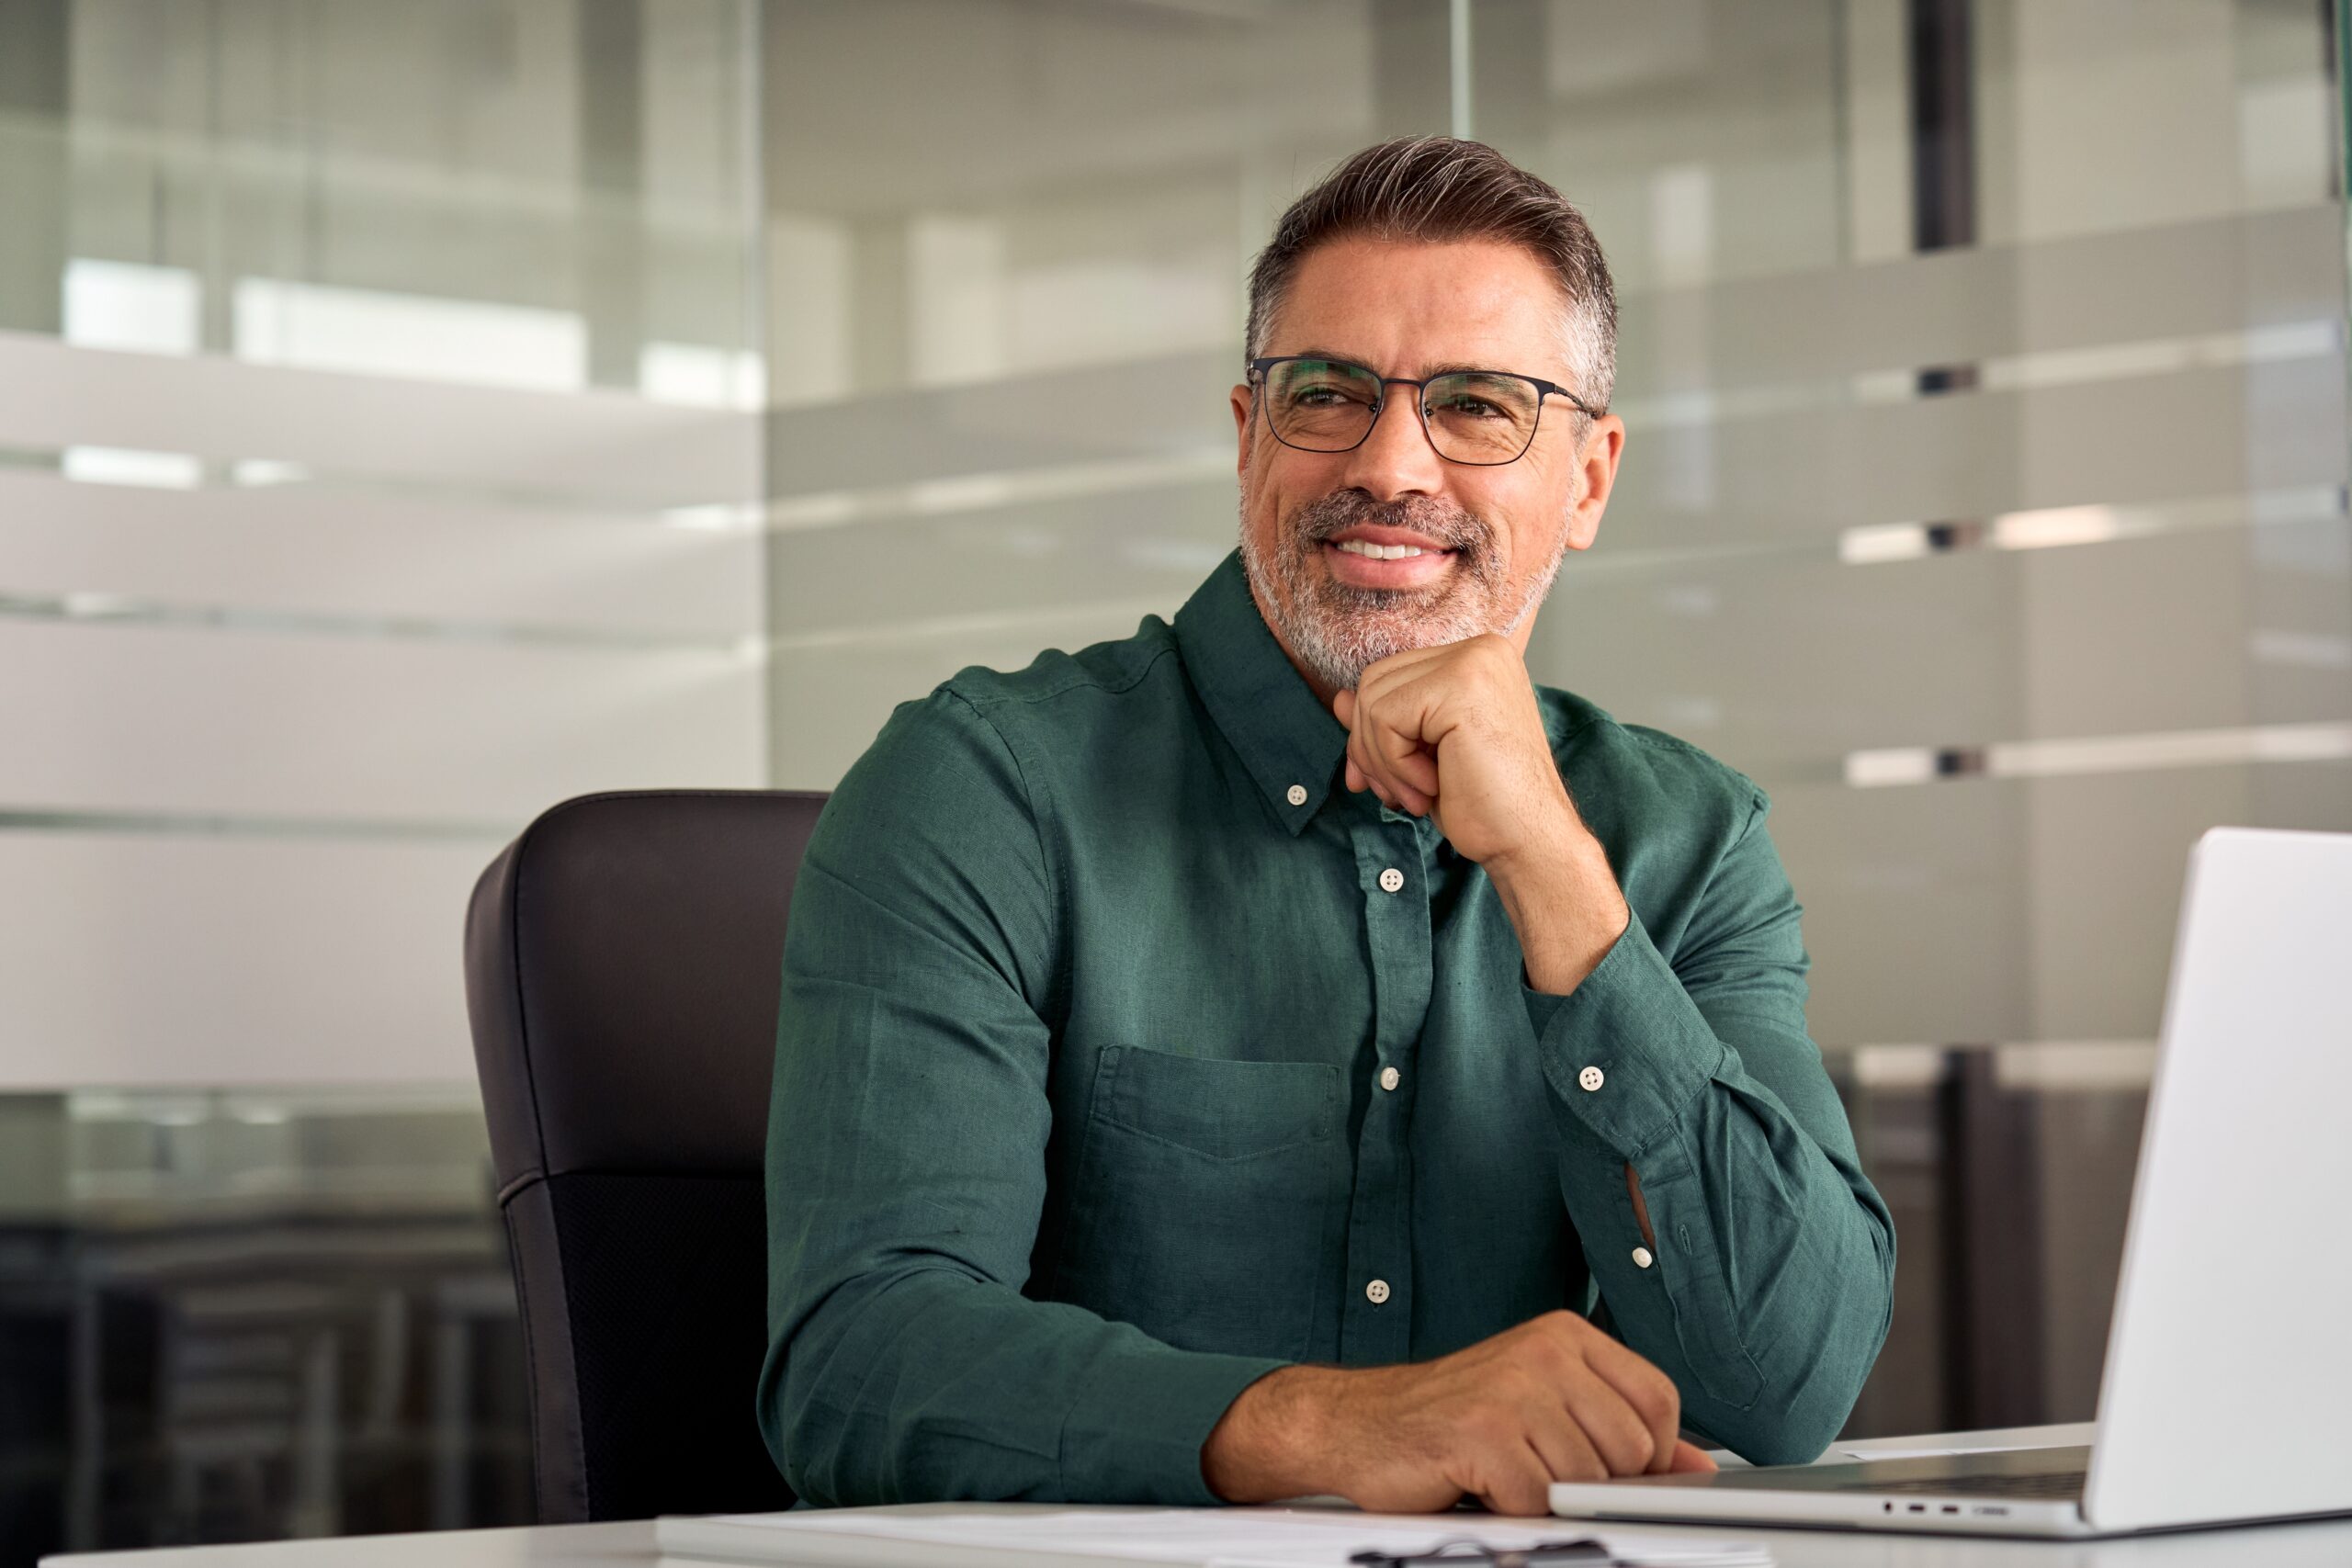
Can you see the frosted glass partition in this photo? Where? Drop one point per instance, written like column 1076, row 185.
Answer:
column 379, row 452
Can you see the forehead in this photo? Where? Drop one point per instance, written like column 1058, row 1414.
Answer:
column 1407, row 308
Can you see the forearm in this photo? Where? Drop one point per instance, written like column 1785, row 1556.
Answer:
column 1736, row 1241
column 925, row 1385
column 1765, row 1285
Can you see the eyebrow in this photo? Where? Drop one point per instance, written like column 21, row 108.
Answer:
column 1446, row 367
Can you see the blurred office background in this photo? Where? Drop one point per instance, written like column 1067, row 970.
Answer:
column 413, row 415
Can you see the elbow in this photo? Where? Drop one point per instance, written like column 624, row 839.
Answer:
column 796, row 1432
column 1810, row 1382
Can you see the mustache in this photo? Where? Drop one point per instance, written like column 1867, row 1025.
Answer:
column 1449, row 525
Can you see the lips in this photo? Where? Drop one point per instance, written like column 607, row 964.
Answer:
column 1406, row 571
column 1388, row 537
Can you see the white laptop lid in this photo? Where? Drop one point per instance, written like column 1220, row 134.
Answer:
column 2229, row 1364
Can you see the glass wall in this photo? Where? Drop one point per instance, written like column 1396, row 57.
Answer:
column 379, row 466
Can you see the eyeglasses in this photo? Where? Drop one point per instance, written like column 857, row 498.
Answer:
column 1480, row 417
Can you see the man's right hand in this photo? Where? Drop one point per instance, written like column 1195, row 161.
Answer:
column 1553, row 1399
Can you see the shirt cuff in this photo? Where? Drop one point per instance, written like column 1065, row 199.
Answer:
column 1135, row 1433
column 1628, row 1051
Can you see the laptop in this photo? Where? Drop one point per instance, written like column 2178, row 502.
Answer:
column 2230, row 1352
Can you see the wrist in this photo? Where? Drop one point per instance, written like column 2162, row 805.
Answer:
column 1273, row 1441
column 1565, row 906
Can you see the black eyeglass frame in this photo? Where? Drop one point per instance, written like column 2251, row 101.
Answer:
column 1260, row 367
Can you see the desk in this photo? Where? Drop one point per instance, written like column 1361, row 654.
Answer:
column 631, row 1544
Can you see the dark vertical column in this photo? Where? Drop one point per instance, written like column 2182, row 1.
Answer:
column 1943, row 144
column 1995, row 1295
column 612, row 171
column 1943, row 124
column 33, row 102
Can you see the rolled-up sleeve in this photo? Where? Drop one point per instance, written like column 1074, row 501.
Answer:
column 1769, row 1287
column 906, row 1166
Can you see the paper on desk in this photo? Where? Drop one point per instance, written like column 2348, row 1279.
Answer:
column 1214, row 1538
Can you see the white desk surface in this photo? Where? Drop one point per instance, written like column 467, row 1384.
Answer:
column 631, row 1544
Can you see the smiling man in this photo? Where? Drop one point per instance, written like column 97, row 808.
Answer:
column 1289, row 1051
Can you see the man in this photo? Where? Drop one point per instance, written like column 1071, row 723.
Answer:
column 1256, row 1058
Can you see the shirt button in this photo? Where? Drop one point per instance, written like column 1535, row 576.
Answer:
column 1388, row 1077
column 1590, row 1079
column 1297, row 794
column 1642, row 1257
column 1391, row 880
column 1376, row 1292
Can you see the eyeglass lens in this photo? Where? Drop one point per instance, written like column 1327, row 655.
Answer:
column 1474, row 416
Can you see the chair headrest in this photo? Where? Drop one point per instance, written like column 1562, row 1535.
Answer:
column 624, row 957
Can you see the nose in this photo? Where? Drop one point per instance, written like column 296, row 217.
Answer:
column 1396, row 457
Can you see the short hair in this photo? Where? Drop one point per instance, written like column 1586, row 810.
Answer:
column 1438, row 190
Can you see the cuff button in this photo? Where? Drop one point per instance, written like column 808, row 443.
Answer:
column 1590, row 1079
column 1642, row 1258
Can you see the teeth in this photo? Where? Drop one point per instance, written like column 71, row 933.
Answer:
column 1379, row 552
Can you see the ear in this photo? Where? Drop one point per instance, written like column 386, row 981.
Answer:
column 1242, row 409
column 1596, row 474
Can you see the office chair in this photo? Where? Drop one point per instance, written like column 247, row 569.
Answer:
column 623, row 960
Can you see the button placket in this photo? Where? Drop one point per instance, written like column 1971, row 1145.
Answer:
column 1395, row 910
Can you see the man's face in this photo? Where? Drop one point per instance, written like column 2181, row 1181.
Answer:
column 1491, row 537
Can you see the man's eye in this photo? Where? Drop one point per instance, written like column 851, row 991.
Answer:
column 1469, row 406
column 1321, row 397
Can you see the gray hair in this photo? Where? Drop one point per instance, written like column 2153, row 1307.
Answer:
column 1437, row 189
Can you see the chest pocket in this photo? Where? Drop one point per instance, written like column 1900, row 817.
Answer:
column 1209, row 1201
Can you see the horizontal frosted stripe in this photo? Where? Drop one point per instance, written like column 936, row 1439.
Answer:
column 602, row 447
column 133, row 960
column 2274, row 344
column 2102, row 1066
column 218, row 825
column 1784, row 665
column 87, row 608
column 1965, row 306
column 2128, row 443
column 138, row 718
column 831, row 700
column 1042, row 556
column 2315, row 742
column 298, row 551
column 2099, row 1066
column 1110, row 482
column 1142, row 410
column 2019, row 908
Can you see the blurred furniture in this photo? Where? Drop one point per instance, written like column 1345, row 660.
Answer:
column 623, row 960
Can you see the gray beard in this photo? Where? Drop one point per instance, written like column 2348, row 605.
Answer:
column 1338, row 630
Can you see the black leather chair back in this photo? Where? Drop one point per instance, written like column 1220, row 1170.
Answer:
column 623, row 958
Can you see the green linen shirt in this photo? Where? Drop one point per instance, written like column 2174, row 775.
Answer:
column 1124, row 1055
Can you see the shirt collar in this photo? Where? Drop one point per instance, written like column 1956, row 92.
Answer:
column 1260, row 701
